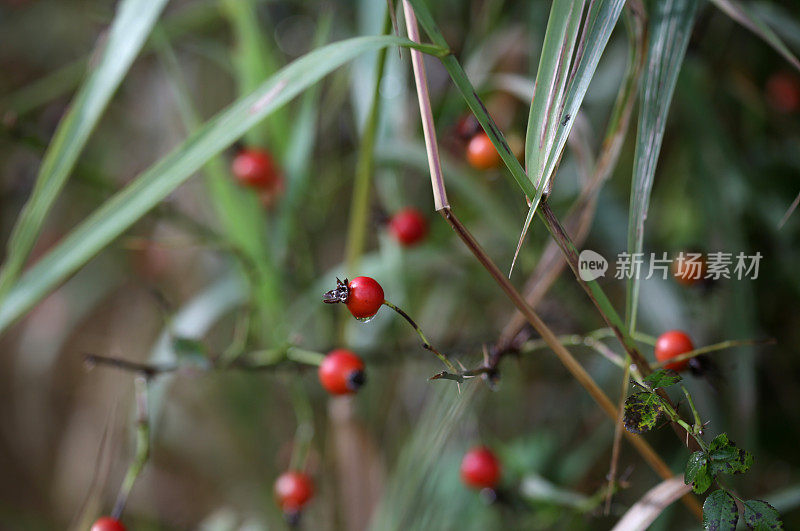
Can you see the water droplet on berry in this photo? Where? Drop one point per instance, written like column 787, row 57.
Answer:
column 365, row 319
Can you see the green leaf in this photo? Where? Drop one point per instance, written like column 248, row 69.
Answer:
column 719, row 512
column 157, row 182
column 662, row 378
column 671, row 24
column 551, row 81
column 642, row 411
column 727, row 458
column 695, row 465
column 702, row 480
column 131, row 26
column 744, row 16
column 255, row 61
column 761, row 516
column 549, row 124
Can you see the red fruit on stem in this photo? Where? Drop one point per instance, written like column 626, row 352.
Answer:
column 409, row 226
column 365, row 297
column 293, row 490
column 106, row 523
column 670, row 345
column 481, row 153
column 783, row 92
column 257, row 169
column 480, row 468
column 342, row 372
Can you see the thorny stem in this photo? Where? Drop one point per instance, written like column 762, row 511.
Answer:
column 600, row 300
column 425, row 343
column 142, row 445
column 698, row 424
column 575, row 368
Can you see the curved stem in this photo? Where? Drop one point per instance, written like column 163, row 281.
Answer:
column 425, row 343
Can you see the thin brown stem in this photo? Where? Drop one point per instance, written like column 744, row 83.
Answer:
column 575, row 368
column 604, row 306
column 571, row 364
column 615, row 449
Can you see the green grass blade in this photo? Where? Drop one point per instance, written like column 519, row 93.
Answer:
column 671, row 24
column 747, row 18
column 601, row 18
column 551, row 81
column 132, row 24
column 299, row 157
column 255, row 61
column 66, row 78
column 156, row 183
column 238, row 211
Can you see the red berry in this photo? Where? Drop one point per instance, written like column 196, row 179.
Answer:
column 106, row 523
column 293, row 490
column 255, row 168
column 688, row 271
column 481, row 153
column 342, row 372
column 364, row 298
column 409, row 226
column 783, row 92
column 480, row 468
column 670, row 345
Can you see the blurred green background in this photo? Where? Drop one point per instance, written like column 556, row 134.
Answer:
column 727, row 174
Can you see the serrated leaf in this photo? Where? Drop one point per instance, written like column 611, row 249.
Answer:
column 719, row 512
column 727, row 458
column 662, row 378
column 696, row 462
column 671, row 24
column 760, row 515
column 702, row 480
column 642, row 411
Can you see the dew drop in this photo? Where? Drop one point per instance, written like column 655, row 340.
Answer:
column 365, row 319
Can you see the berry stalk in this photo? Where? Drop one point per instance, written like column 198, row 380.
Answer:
column 425, row 343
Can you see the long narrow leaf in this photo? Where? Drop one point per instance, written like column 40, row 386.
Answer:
column 744, row 16
column 255, row 61
column 601, row 18
column 671, row 24
column 156, row 183
column 551, row 81
column 132, row 24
